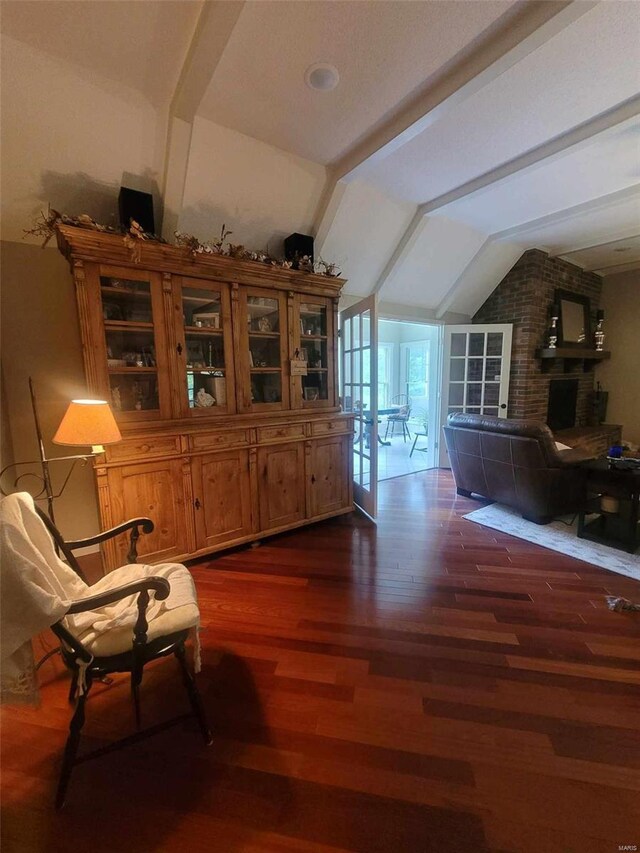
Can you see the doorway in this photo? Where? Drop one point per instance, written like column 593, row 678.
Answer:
column 408, row 385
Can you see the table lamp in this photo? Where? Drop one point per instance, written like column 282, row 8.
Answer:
column 86, row 422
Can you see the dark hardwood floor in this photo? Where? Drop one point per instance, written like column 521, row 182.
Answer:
column 423, row 685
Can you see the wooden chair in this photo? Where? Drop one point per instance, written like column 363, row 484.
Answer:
column 119, row 650
column 421, row 417
column 400, row 417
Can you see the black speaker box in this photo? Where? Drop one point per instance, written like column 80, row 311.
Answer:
column 296, row 246
column 133, row 204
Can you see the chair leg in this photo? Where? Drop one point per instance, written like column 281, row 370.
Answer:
column 136, row 680
column 194, row 695
column 413, row 446
column 71, row 746
column 73, row 687
column 386, row 432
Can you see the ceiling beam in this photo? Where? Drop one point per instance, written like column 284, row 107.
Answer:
column 402, row 249
column 580, row 134
column 632, row 235
column 213, row 30
column 615, row 269
column 548, row 150
column 507, row 42
column 328, row 206
column 604, row 202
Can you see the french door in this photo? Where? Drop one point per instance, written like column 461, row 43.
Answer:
column 475, row 373
column 359, row 393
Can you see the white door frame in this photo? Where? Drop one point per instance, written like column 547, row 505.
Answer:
column 354, row 390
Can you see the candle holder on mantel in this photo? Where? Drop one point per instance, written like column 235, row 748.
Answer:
column 552, row 340
column 599, row 332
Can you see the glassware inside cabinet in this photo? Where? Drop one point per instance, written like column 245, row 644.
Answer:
column 265, row 360
column 204, row 342
column 130, row 344
column 314, row 350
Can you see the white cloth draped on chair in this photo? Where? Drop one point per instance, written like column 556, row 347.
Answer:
column 38, row 588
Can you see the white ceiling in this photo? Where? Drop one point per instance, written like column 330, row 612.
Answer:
column 383, row 51
column 553, row 89
column 606, row 163
column 470, row 130
column 139, row 44
column 609, row 258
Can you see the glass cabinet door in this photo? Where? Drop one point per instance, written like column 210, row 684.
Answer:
column 263, row 350
column 205, row 352
column 137, row 385
column 313, row 343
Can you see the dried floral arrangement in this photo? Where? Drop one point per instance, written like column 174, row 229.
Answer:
column 46, row 223
column 222, row 246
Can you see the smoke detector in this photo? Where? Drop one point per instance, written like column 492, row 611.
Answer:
column 322, row 77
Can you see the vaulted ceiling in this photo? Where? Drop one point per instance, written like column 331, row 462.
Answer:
column 460, row 133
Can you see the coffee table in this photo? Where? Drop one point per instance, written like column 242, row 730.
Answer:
column 620, row 529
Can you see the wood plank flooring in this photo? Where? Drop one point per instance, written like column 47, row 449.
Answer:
column 423, row 685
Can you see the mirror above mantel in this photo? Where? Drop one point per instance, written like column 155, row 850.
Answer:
column 574, row 345
column 574, row 319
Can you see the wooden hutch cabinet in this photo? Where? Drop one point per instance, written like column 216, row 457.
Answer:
column 223, row 440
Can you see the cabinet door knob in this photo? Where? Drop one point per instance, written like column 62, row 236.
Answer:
column 179, row 349
column 313, row 478
column 196, row 503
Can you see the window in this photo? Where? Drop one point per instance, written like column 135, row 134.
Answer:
column 385, row 367
column 415, row 378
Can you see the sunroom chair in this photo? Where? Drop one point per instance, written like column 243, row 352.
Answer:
column 400, row 417
column 421, row 429
column 127, row 619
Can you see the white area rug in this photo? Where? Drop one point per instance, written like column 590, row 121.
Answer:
column 558, row 537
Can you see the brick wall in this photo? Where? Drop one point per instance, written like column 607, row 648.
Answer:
column 524, row 298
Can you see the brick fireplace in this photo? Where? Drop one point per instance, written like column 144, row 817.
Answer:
column 524, row 298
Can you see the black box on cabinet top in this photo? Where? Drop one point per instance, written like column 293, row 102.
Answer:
column 134, row 204
column 296, row 246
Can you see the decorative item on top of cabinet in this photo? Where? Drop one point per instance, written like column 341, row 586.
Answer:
column 225, row 434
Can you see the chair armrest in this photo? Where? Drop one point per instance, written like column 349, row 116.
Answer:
column 574, row 457
column 133, row 524
column 160, row 586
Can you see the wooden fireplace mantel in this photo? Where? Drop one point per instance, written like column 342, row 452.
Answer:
column 571, row 357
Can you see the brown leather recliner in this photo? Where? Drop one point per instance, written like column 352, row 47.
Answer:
column 515, row 462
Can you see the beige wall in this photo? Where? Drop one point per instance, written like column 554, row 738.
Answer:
column 41, row 339
column 620, row 376
column 70, row 138
column 261, row 193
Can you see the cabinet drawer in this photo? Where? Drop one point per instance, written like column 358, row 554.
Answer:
column 284, row 432
column 329, row 427
column 220, row 440
column 143, row 448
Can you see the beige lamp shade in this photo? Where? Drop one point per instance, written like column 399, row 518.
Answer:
column 88, row 422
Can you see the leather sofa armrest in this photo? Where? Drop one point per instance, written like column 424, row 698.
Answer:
column 573, row 457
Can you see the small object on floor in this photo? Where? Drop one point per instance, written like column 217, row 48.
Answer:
column 621, row 604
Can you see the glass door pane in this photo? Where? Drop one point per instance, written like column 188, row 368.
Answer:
column 132, row 368
column 359, row 387
column 206, row 358
column 477, row 361
column 264, row 349
column 314, row 347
